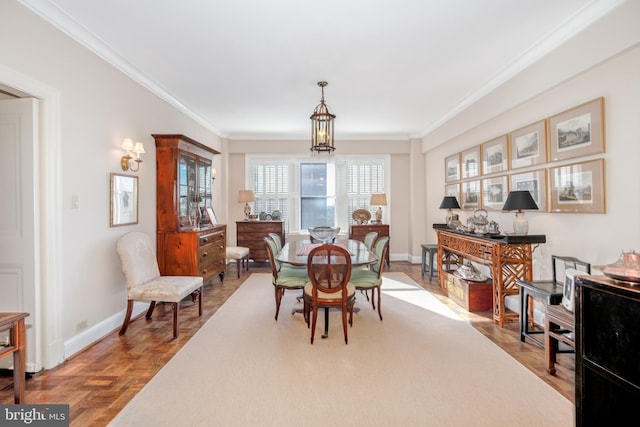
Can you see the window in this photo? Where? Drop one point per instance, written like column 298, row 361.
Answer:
column 317, row 195
column 311, row 193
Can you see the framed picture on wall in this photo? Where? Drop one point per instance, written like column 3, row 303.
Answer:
column 452, row 190
column 529, row 145
column 470, row 162
column 535, row 182
column 470, row 194
column 578, row 187
column 452, row 168
column 577, row 132
column 494, row 192
column 123, row 201
column 495, row 156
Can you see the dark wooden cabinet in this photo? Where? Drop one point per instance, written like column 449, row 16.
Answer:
column 187, row 243
column 251, row 234
column 358, row 231
column 607, row 351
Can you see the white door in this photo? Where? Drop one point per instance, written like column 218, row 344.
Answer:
column 18, row 255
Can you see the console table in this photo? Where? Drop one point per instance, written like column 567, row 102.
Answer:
column 14, row 323
column 509, row 258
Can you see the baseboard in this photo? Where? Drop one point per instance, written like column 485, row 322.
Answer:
column 95, row 333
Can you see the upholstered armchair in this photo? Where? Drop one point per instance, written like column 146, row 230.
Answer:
column 144, row 282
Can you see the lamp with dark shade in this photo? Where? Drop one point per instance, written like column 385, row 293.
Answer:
column 519, row 201
column 449, row 202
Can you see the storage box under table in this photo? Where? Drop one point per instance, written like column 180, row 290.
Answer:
column 472, row 296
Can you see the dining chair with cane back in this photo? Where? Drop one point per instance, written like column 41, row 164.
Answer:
column 329, row 270
column 283, row 278
column 144, row 282
column 371, row 279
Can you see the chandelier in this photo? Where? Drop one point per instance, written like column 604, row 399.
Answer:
column 322, row 126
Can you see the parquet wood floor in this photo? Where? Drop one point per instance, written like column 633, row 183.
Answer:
column 99, row 381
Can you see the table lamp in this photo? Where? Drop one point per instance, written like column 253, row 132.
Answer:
column 448, row 203
column 246, row 196
column 380, row 200
column 519, row 201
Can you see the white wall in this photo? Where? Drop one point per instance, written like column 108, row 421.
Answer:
column 98, row 107
column 597, row 238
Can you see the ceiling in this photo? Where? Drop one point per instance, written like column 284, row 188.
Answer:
column 247, row 69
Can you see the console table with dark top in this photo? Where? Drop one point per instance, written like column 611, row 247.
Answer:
column 14, row 323
column 508, row 257
column 548, row 291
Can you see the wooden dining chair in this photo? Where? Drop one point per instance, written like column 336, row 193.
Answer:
column 283, row 279
column 371, row 279
column 329, row 270
column 370, row 238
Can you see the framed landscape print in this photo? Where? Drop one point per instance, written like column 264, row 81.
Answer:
column 577, row 132
column 124, row 200
column 578, row 187
column 536, row 183
column 470, row 195
column 452, row 190
column 494, row 193
column 528, row 145
column 494, row 155
column 470, row 162
column 452, row 168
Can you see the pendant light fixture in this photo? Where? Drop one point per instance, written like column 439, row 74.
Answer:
column 322, row 126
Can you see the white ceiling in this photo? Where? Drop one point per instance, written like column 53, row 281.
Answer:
column 247, row 69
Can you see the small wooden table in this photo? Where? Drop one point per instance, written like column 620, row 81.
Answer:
column 548, row 291
column 14, row 323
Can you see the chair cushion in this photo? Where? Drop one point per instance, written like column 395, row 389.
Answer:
column 292, row 278
column 365, row 278
column 351, row 291
column 237, row 252
column 166, row 288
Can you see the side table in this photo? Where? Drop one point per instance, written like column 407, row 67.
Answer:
column 548, row 291
column 14, row 323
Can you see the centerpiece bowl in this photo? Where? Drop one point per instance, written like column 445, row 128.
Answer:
column 324, row 234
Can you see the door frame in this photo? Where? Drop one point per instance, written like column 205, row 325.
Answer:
column 48, row 225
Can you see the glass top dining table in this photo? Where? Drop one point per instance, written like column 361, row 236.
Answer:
column 296, row 253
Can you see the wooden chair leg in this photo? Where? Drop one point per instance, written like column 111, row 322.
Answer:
column 150, row 310
column 238, row 266
column 201, row 293
column 344, row 324
column 176, row 310
column 549, row 348
column 379, row 309
column 127, row 318
column 313, row 323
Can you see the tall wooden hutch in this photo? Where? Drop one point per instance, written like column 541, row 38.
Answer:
column 188, row 243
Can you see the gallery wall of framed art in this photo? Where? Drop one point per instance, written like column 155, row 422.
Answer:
column 559, row 159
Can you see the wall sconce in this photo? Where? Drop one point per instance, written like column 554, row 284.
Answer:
column 214, row 172
column 127, row 162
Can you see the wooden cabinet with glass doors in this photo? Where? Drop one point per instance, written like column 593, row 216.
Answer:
column 187, row 243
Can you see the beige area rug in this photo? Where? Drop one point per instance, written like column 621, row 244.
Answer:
column 421, row 366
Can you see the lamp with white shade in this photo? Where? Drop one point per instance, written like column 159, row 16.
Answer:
column 519, row 201
column 246, row 196
column 380, row 200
